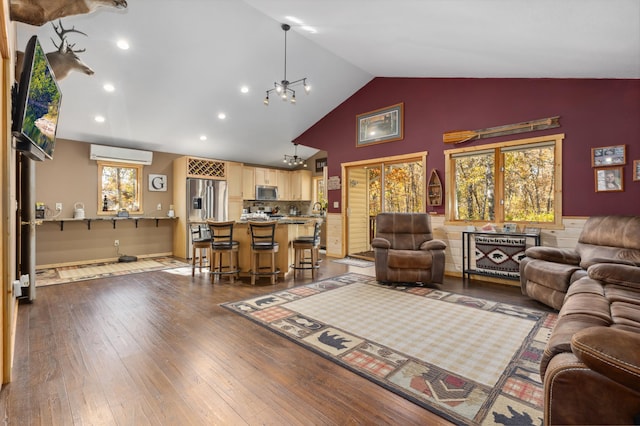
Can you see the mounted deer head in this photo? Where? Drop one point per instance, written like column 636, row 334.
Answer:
column 39, row 12
column 64, row 60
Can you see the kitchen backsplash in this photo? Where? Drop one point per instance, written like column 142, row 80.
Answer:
column 286, row 208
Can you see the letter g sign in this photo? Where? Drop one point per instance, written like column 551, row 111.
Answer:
column 157, row 182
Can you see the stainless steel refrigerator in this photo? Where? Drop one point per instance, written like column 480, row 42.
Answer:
column 206, row 199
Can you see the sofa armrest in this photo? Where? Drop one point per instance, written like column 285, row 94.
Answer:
column 382, row 243
column 611, row 352
column 554, row 254
column 615, row 273
column 433, row 245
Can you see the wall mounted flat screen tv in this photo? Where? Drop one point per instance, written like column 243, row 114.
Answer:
column 36, row 105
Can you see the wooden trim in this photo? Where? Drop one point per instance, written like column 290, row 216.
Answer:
column 499, row 160
column 139, row 186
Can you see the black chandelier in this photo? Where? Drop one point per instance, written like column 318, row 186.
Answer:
column 283, row 89
column 294, row 160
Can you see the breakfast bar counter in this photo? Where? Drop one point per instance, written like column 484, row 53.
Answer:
column 287, row 230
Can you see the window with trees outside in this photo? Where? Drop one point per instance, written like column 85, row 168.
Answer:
column 516, row 181
column 120, row 187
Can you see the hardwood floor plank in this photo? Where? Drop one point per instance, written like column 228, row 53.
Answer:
column 156, row 348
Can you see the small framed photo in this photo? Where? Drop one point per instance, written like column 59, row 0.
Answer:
column 320, row 163
column 509, row 227
column 603, row 156
column 609, row 179
column 636, row 169
column 531, row 230
column 381, row 125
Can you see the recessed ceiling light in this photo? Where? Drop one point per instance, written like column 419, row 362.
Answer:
column 99, row 119
column 293, row 19
column 203, row 137
column 123, row 44
column 244, row 89
column 222, row 116
column 108, row 87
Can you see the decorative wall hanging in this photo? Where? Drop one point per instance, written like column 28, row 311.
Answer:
column 459, row 136
column 64, row 59
column 39, row 12
column 609, row 179
column 381, row 125
column 614, row 155
column 636, row 169
column 320, row 164
column 333, row 183
column 157, row 183
column 434, row 189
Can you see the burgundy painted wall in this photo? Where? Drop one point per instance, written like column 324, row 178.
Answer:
column 592, row 113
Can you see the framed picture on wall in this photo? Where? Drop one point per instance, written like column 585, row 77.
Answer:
column 609, row 179
column 320, row 163
column 614, row 155
column 381, row 125
column 636, row 169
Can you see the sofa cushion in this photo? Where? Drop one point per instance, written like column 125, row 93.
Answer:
column 611, row 273
column 626, row 315
column 409, row 259
column 612, row 231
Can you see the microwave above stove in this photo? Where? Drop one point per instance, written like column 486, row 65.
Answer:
column 266, row 193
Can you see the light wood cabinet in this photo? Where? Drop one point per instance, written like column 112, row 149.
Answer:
column 284, row 184
column 266, row 176
column 301, row 185
column 234, row 189
column 248, row 183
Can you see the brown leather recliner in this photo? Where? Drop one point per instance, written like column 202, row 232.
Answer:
column 405, row 250
column 547, row 272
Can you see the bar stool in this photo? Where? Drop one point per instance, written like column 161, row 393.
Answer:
column 200, row 240
column 300, row 247
column 222, row 243
column 263, row 241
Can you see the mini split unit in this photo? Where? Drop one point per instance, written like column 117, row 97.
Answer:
column 120, row 155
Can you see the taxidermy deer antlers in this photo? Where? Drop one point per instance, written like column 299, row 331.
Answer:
column 39, row 12
column 64, row 60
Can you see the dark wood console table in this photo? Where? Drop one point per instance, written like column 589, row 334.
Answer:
column 496, row 254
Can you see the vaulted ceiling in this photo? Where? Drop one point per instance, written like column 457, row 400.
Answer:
column 188, row 60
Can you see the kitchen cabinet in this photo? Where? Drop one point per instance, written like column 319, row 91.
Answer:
column 284, row 184
column 248, row 183
column 234, row 189
column 300, row 185
column 185, row 168
column 266, row 176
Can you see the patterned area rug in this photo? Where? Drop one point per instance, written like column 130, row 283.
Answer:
column 471, row 361
column 354, row 262
column 68, row 274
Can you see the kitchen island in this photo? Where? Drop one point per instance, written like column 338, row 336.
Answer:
column 287, row 230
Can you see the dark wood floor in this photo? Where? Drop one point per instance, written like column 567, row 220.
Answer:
column 155, row 348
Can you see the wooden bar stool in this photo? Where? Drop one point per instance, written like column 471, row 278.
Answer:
column 263, row 241
column 222, row 243
column 201, row 242
column 300, row 247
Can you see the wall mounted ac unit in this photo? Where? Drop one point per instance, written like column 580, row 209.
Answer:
column 120, row 155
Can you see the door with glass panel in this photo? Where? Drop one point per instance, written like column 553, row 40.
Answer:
column 391, row 186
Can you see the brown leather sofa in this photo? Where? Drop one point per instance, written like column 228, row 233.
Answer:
column 547, row 272
column 405, row 250
column 591, row 364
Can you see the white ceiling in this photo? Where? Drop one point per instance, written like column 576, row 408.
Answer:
column 189, row 58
